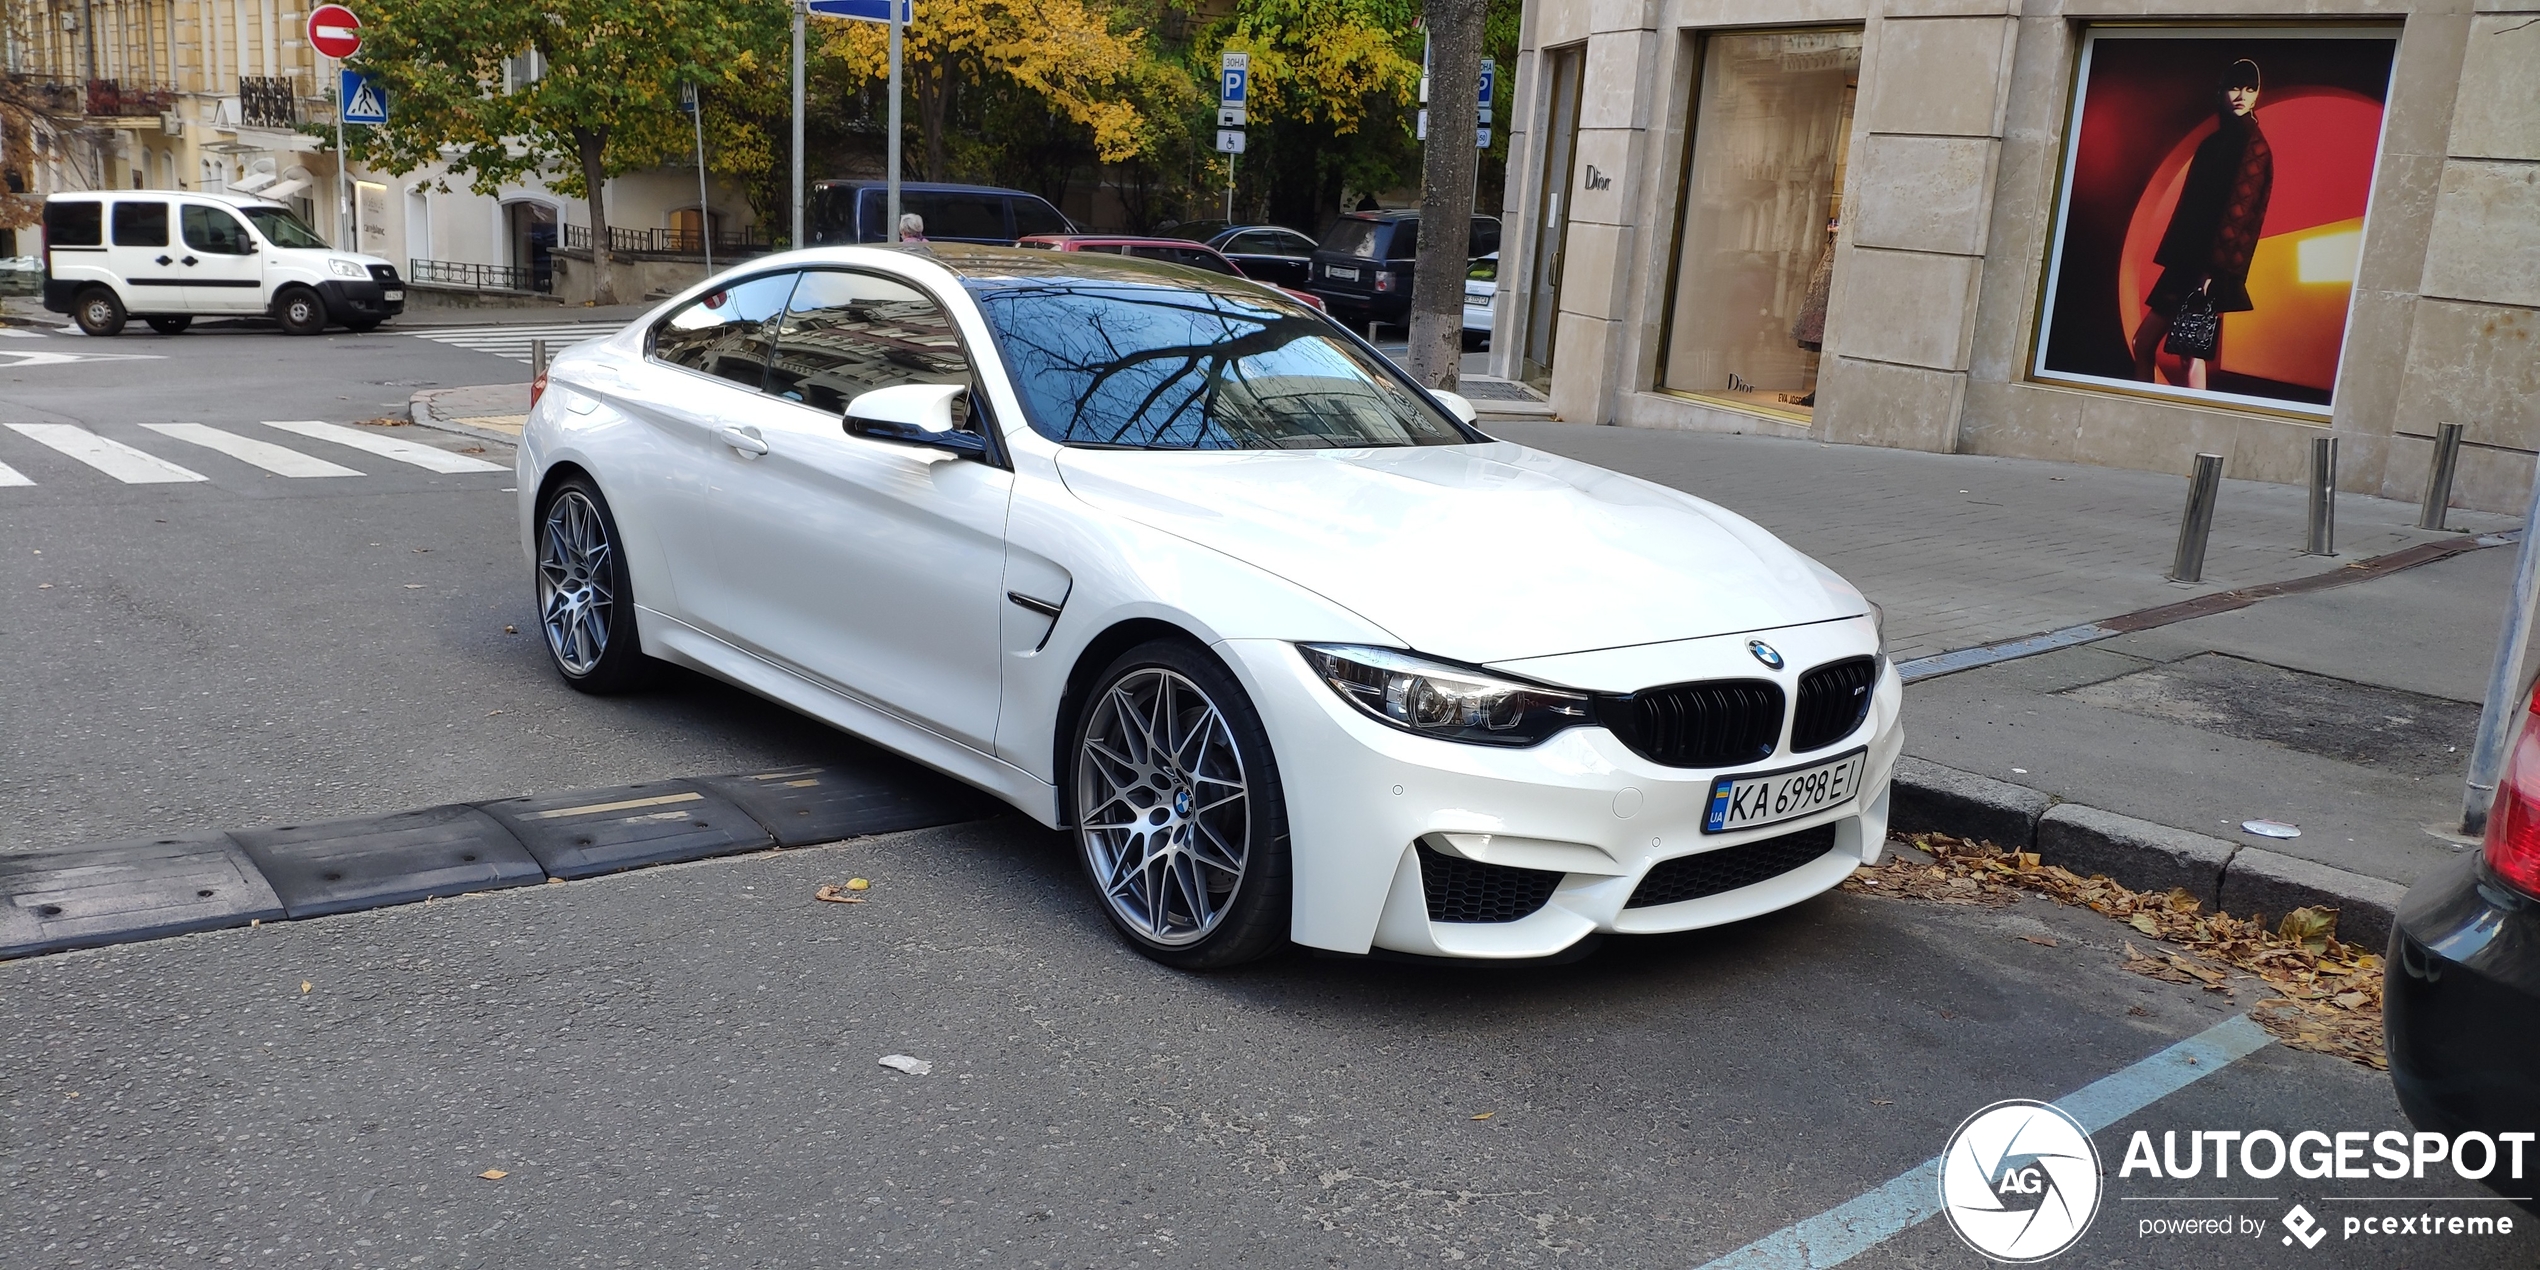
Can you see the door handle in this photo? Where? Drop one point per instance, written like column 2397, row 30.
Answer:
column 191, row 260
column 746, row 440
column 166, row 261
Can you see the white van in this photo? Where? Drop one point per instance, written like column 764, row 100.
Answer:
column 168, row 257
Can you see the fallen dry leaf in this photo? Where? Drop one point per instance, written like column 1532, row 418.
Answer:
column 1486, row 1115
column 833, row 894
column 858, row 884
column 2327, row 993
column 305, row 985
column 493, row 1175
column 2041, row 941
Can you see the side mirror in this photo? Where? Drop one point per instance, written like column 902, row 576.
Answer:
column 1456, row 405
column 914, row 414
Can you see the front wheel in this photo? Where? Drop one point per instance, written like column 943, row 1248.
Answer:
column 98, row 312
column 1180, row 818
column 300, row 311
column 586, row 606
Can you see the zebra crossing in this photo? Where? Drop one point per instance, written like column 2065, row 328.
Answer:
column 132, row 465
column 513, row 341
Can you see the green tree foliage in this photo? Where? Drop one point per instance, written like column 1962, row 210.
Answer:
column 606, row 103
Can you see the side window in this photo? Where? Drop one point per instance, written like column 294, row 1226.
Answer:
column 1191, row 257
column 726, row 333
column 1257, row 243
column 1484, row 239
column 1032, row 216
column 960, row 215
column 216, row 231
column 1291, row 244
column 141, row 224
column 75, row 224
column 1406, row 241
column 847, row 333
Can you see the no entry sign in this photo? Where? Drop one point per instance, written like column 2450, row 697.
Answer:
column 334, row 31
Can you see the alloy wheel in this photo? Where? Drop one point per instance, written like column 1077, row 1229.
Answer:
column 576, row 582
column 1162, row 806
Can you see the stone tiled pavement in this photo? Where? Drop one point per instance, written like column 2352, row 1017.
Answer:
column 1964, row 550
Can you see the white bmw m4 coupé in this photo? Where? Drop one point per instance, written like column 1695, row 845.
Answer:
column 1289, row 648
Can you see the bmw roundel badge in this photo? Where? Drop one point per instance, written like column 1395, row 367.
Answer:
column 1765, row 654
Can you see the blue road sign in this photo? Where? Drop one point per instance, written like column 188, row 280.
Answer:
column 1490, row 80
column 861, row 10
column 1232, row 91
column 364, row 100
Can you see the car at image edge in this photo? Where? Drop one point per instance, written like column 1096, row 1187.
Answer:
column 1161, row 558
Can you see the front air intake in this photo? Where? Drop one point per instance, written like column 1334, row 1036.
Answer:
column 1460, row 890
column 1692, row 877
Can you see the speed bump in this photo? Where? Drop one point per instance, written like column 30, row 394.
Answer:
column 123, row 891
column 606, row 830
column 371, row 861
column 804, row 805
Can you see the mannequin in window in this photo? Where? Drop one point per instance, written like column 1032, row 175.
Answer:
column 2214, row 230
column 1808, row 327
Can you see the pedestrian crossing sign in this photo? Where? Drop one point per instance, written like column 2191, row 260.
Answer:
column 364, row 100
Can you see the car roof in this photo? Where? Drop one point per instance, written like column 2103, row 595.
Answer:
column 974, row 263
column 920, row 187
column 1115, row 240
column 223, row 198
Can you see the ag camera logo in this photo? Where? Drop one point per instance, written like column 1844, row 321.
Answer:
column 2020, row 1181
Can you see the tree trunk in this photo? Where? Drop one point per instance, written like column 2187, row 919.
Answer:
column 934, row 104
column 589, row 145
column 1447, row 167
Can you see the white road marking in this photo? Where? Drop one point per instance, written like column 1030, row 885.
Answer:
column 11, row 476
column 114, row 458
column 264, row 454
column 422, row 456
column 1911, row 1198
column 20, row 333
column 596, row 808
column 513, row 341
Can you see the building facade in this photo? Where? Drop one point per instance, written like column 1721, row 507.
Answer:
column 2119, row 232
column 212, row 95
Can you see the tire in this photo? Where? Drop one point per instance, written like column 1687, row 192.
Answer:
column 300, row 311
column 586, row 606
column 1155, row 824
column 98, row 312
column 364, row 326
column 169, row 325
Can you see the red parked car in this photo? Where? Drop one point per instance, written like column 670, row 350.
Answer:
column 1178, row 251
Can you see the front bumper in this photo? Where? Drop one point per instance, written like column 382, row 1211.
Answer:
column 349, row 300
column 1365, row 800
column 2461, row 1004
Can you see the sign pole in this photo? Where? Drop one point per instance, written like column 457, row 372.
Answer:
column 343, row 168
column 800, row 9
column 705, row 212
column 892, row 200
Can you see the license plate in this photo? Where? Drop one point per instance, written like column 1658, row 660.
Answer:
column 1743, row 802
column 392, row 296
column 1336, row 271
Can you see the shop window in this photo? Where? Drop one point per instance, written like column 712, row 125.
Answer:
column 1762, row 202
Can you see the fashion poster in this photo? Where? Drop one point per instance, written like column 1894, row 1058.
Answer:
column 2213, row 212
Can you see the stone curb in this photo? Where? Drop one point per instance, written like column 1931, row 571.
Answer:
column 2225, row 875
column 419, row 413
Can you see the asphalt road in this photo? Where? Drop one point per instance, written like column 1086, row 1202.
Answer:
column 678, row 1066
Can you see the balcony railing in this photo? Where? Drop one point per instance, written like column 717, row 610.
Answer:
column 672, row 242
column 116, row 98
column 461, row 273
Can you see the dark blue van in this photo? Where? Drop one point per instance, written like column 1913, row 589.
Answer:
column 838, row 212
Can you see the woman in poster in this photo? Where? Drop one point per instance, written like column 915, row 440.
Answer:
column 2204, row 255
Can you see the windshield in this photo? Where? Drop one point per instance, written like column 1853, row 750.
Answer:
column 282, row 229
column 1133, row 366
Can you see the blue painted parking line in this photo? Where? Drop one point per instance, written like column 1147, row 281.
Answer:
column 1911, row 1198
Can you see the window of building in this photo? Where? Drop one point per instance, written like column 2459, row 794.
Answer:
column 1762, row 200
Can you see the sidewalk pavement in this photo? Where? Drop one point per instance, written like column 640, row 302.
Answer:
column 493, row 412
column 2345, row 711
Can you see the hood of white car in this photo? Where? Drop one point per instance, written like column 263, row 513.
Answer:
column 1474, row 553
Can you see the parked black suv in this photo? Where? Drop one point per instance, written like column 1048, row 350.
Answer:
column 839, row 212
column 1362, row 268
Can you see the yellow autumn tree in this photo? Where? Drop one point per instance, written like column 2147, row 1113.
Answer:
column 1065, row 51
column 1328, row 62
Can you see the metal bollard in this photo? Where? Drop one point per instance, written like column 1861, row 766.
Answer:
column 537, row 358
column 2198, row 524
column 2438, row 483
column 2323, row 531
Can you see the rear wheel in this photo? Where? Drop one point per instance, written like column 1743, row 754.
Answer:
column 169, row 325
column 98, row 312
column 1179, row 815
column 300, row 311
column 586, row 606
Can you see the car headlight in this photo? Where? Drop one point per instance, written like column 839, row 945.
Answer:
column 347, row 269
column 1448, row 702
